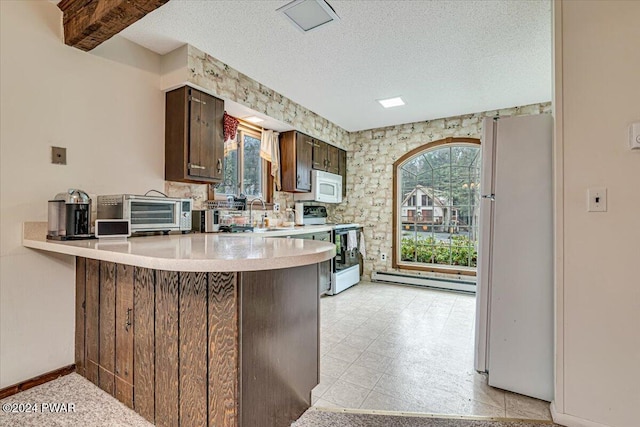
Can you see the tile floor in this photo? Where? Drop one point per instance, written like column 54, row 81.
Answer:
column 401, row 348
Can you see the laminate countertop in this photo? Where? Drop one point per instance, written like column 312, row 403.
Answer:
column 197, row 252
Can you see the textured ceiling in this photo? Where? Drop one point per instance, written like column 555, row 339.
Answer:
column 444, row 58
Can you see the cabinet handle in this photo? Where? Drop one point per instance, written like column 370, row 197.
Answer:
column 192, row 166
column 191, row 98
column 310, row 143
column 127, row 324
column 315, row 144
column 219, row 165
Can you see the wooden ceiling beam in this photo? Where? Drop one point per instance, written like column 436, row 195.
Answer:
column 88, row 23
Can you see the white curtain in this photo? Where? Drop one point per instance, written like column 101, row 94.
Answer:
column 270, row 151
column 229, row 146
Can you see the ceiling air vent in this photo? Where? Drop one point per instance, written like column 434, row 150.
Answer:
column 307, row 15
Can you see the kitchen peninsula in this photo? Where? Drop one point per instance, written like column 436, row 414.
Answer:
column 198, row 329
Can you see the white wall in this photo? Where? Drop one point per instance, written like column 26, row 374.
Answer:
column 598, row 277
column 106, row 107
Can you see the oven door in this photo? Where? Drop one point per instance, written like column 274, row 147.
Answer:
column 345, row 258
column 152, row 215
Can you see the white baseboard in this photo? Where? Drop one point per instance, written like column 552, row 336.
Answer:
column 572, row 421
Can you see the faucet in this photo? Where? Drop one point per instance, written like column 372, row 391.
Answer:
column 264, row 208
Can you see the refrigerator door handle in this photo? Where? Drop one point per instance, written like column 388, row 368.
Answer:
column 491, row 197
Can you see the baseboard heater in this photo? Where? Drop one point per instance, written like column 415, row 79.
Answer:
column 452, row 284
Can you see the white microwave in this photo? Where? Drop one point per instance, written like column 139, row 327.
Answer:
column 325, row 187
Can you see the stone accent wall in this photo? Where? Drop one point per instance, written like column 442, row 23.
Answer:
column 370, row 161
column 225, row 82
column 370, row 153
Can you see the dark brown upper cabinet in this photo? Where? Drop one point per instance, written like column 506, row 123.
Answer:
column 194, row 141
column 333, row 159
column 325, row 157
column 342, row 166
column 320, row 155
column 296, row 154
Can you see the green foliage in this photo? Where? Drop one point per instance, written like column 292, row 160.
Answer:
column 247, row 153
column 252, row 180
column 460, row 251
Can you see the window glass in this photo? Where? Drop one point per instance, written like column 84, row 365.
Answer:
column 230, row 183
column 443, row 228
column 252, row 176
column 244, row 169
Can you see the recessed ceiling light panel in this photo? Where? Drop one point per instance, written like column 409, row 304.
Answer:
column 391, row 102
column 307, row 15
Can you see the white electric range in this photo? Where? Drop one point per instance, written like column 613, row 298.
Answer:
column 347, row 264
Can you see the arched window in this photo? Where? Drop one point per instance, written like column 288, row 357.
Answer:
column 437, row 203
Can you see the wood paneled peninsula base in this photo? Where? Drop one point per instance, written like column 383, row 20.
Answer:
column 198, row 348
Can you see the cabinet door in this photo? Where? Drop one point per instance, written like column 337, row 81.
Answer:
column 324, row 268
column 206, row 145
column 333, row 160
column 319, row 155
column 194, row 145
column 304, row 156
column 124, row 334
column 196, row 168
column 216, row 134
column 342, row 162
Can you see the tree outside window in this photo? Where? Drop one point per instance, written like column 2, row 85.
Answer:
column 244, row 169
column 444, row 230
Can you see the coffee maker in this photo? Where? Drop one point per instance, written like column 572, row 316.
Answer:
column 70, row 216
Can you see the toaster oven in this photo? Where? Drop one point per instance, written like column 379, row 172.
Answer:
column 147, row 213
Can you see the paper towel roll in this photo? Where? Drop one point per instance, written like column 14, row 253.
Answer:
column 299, row 209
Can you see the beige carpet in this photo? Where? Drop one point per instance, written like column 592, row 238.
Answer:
column 325, row 418
column 93, row 407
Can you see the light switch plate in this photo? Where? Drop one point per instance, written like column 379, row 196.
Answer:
column 58, row 155
column 634, row 136
column 597, row 199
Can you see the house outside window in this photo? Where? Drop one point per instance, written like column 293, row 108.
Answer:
column 442, row 232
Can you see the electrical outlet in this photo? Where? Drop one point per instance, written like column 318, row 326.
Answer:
column 276, row 207
column 597, row 199
column 383, row 257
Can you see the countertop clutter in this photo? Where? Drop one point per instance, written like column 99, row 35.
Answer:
column 194, row 252
column 287, row 231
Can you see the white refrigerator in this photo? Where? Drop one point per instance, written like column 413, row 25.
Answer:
column 514, row 324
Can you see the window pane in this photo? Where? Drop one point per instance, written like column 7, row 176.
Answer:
column 230, row 183
column 252, row 177
column 439, row 203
